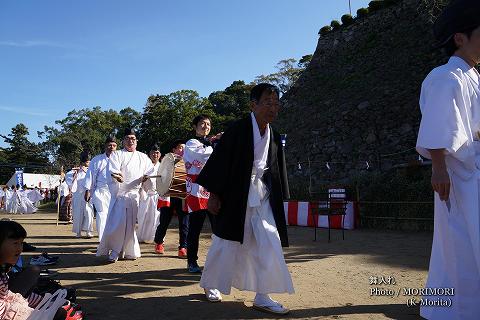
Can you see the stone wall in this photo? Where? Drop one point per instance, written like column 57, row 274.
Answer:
column 358, row 99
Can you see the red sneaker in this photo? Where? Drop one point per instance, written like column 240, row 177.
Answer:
column 182, row 253
column 159, row 248
column 74, row 311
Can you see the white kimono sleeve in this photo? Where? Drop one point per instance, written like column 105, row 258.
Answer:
column 197, row 154
column 88, row 180
column 69, row 178
column 149, row 170
column 114, row 166
column 442, row 126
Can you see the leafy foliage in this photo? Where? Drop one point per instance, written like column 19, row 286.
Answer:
column 335, row 24
column 288, row 72
column 21, row 153
column 168, row 117
column 362, row 12
column 375, row 5
column 305, row 61
column 233, row 101
column 432, row 8
column 85, row 129
column 347, row 19
column 165, row 118
column 324, row 30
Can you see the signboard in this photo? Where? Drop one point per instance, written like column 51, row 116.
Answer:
column 19, row 177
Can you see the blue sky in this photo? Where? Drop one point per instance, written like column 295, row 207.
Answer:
column 57, row 55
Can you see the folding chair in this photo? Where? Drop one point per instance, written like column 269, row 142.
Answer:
column 335, row 204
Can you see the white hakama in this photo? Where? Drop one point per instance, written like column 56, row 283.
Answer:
column 7, row 198
column 13, row 203
column 450, row 106
column 101, row 200
column 148, row 216
column 119, row 234
column 25, row 205
column 97, row 182
column 258, row 264
column 34, row 195
column 82, row 211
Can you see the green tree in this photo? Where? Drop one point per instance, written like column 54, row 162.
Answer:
column 22, row 153
column 168, row 117
column 232, row 102
column 85, row 129
column 305, row 61
column 288, row 71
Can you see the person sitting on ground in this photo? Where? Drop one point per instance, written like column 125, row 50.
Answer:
column 13, row 306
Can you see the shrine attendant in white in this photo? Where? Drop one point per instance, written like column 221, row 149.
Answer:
column 148, row 215
column 129, row 170
column 82, row 210
column 449, row 135
column 96, row 184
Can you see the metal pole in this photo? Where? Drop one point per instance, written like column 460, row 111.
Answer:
column 350, row 6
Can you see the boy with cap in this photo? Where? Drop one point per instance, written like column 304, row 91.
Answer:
column 449, row 134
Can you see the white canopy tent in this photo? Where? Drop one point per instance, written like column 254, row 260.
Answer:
column 38, row 180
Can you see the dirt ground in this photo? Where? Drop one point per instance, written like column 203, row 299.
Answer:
column 332, row 280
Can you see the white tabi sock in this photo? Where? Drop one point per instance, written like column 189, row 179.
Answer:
column 264, row 300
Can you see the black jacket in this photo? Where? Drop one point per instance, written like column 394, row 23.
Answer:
column 227, row 173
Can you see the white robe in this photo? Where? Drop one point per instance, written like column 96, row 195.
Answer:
column 148, row 215
column 258, row 264
column 8, row 200
column 97, row 182
column 63, row 191
column 2, row 199
column 450, row 106
column 25, row 205
column 195, row 156
column 13, row 202
column 82, row 211
column 35, row 196
column 119, row 234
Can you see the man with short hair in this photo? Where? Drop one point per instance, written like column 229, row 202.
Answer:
column 246, row 178
column 96, row 184
column 449, row 134
column 128, row 170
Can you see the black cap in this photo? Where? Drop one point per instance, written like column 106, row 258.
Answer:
column 155, row 147
column 129, row 132
column 110, row 139
column 458, row 16
column 84, row 156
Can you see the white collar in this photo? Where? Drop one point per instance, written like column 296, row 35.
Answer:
column 465, row 67
column 256, row 129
